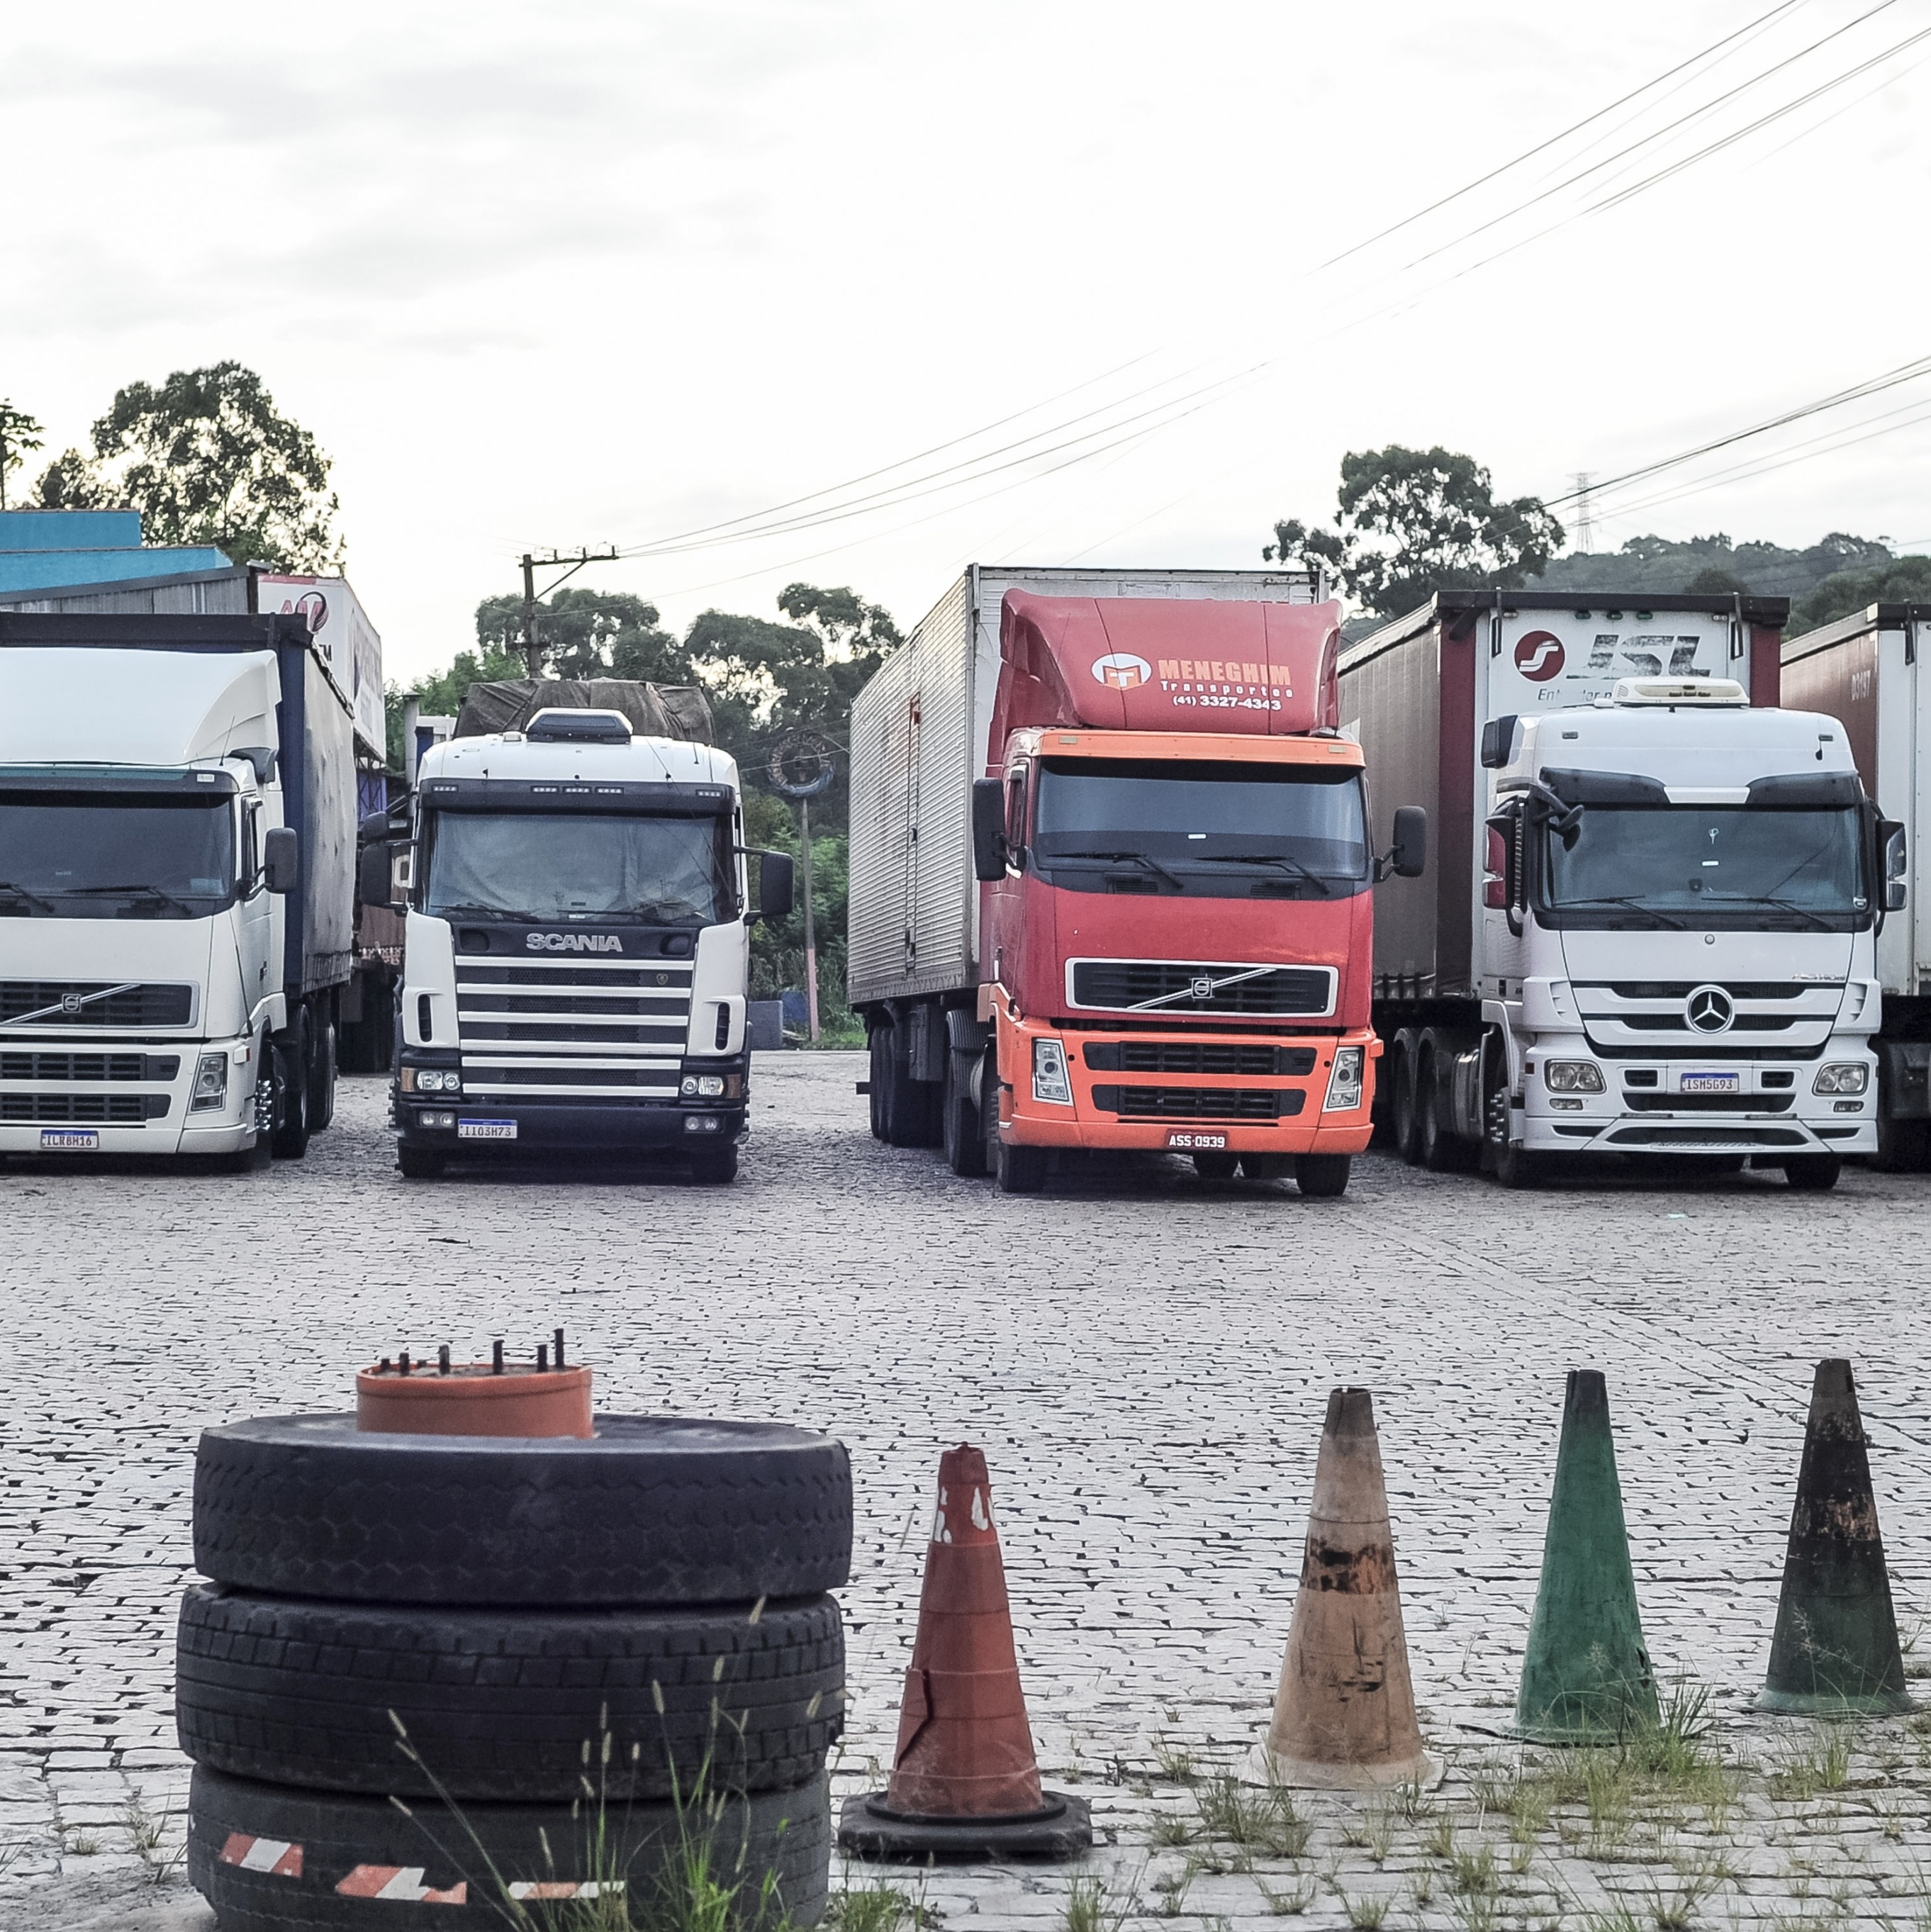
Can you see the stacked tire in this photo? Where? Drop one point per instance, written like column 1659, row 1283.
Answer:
column 432, row 1677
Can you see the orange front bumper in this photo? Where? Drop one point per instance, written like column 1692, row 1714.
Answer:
column 1027, row 1121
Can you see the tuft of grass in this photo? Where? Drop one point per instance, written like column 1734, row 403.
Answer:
column 1259, row 1818
column 1177, row 1766
column 1618, row 1915
column 143, row 1828
column 877, row 1908
column 1288, row 1904
column 1440, row 1843
column 1170, row 1831
column 1365, row 1912
column 1807, row 1764
column 1091, row 1907
column 1474, row 1911
column 1471, row 1874
column 83, row 1844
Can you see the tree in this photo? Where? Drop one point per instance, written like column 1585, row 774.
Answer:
column 18, row 432
column 589, row 633
column 1903, row 580
column 207, row 458
column 70, row 482
column 1409, row 522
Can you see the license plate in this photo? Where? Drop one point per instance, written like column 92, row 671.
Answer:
column 1711, row 1083
column 69, row 1140
column 486, row 1130
column 1197, row 1143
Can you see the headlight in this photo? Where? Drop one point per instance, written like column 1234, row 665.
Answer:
column 431, row 1080
column 1572, row 1076
column 1050, row 1080
column 1851, row 1078
column 211, row 1084
column 702, row 1086
column 429, row 1120
column 1343, row 1084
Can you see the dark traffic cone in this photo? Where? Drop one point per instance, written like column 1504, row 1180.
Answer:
column 1835, row 1651
column 1345, row 1716
column 1586, row 1677
column 965, row 1783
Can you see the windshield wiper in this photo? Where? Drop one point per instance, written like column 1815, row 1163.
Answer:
column 1818, row 922
column 1628, row 899
column 1286, row 860
column 21, row 892
column 122, row 891
column 1179, row 884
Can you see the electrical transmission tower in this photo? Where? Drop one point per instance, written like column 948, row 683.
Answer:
column 1584, row 531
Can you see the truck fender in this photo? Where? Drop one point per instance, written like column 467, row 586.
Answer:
column 1500, row 1016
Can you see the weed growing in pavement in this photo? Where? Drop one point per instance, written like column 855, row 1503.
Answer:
column 1091, row 1907
column 1804, row 1765
column 1617, row 1916
column 878, row 1907
column 1473, row 1911
column 1170, row 1830
column 1675, row 1910
column 1440, row 1843
column 1365, row 1912
column 1472, row 1874
column 143, row 1828
column 1172, row 1888
column 83, row 1844
column 1288, row 1904
column 1260, row 1818
column 1177, row 1766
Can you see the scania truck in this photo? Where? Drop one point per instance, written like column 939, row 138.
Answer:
column 1110, row 877
column 1652, row 929
column 577, row 941
column 177, row 874
column 1868, row 670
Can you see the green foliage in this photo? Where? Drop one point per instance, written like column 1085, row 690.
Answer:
column 207, row 458
column 1904, row 579
column 1665, row 565
column 585, row 634
column 1409, row 521
column 18, row 432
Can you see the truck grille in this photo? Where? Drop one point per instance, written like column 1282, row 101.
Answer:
column 1188, row 1056
column 89, row 1066
column 94, row 1003
column 1708, row 1103
column 86, row 1110
column 573, row 1027
column 1199, row 1103
column 1187, row 986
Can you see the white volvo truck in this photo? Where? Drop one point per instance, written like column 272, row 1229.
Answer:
column 177, row 868
column 574, row 974
column 1652, row 931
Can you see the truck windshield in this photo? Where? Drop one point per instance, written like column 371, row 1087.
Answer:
column 1720, row 866
column 1203, row 828
column 560, row 865
column 91, row 855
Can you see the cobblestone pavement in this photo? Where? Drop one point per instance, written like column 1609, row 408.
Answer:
column 1145, row 1360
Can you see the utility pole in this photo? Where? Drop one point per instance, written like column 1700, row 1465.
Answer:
column 532, row 647
column 1583, row 534
column 810, row 930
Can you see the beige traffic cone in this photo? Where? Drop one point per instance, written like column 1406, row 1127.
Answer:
column 1345, row 1715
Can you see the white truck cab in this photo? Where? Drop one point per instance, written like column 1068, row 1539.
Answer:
column 1679, row 915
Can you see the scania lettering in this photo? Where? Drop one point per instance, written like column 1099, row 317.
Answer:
column 574, row 970
column 1651, row 930
column 1110, row 877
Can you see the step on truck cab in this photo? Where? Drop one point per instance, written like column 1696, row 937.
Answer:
column 1111, row 876
column 577, row 942
column 177, row 881
column 1651, row 929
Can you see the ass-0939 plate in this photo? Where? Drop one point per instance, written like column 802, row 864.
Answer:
column 69, row 1140
column 1711, row 1083
column 486, row 1130
column 1193, row 1143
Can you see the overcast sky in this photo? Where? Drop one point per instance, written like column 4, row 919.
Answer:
column 583, row 273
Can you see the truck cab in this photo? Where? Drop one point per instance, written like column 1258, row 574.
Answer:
column 577, row 949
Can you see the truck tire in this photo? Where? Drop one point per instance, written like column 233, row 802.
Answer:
column 1406, row 1105
column 878, row 1040
column 1435, row 1146
column 421, row 1163
column 1323, row 1177
column 1813, row 1173
column 290, row 1059
column 322, row 1079
column 912, row 1118
column 656, row 1509
column 271, row 1859
column 1018, row 1170
column 715, row 1167
column 964, row 1138
column 1512, row 1164
column 497, row 1704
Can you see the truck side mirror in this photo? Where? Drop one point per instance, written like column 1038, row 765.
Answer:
column 374, row 867
column 1895, row 863
column 1498, row 741
column 1407, row 857
column 281, row 854
column 774, row 885
column 989, row 828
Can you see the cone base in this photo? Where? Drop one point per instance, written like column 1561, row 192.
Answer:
column 869, row 1828
column 1824, row 1704
column 1301, row 1773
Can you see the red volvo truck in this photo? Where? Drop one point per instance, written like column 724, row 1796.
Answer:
column 1112, row 877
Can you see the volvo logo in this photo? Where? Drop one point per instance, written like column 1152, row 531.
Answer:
column 1203, row 988
column 71, row 1003
column 1709, row 1009
column 573, row 942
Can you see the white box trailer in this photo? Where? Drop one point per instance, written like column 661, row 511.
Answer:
column 1868, row 671
column 919, row 736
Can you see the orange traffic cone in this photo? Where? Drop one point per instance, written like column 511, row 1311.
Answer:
column 965, row 1782
column 1344, row 1716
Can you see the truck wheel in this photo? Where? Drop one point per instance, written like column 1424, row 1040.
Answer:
column 715, row 1166
column 1323, row 1177
column 879, row 1040
column 1215, row 1166
column 322, row 1079
column 1434, row 1147
column 1408, row 1123
column 290, row 1139
column 421, row 1163
column 1512, row 1165
column 965, row 1142
column 1813, row 1173
column 1019, row 1170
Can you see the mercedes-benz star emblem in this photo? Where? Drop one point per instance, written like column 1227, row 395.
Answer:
column 1708, row 1009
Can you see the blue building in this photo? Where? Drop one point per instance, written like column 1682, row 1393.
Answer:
column 47, row 550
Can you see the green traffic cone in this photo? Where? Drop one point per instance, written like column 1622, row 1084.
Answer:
column 1586, row 1677
column 1835, row 1651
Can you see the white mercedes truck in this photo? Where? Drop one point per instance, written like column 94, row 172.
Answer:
column 1653, row 929
column 177, row 874
column 578, row 940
